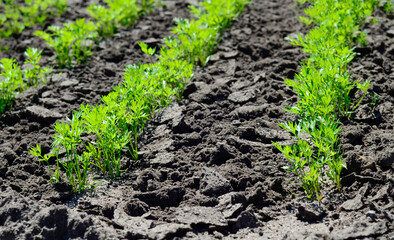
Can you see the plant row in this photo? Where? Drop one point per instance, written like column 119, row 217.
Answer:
column 15, row 80
column 115, row 125
column 14, row 18
column 325, row 90
column 72, row 42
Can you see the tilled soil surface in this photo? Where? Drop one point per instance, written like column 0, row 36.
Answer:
column 208, row 169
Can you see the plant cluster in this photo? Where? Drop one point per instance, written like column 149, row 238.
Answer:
column 14, row 18
column 118, row 13
column 198, row 38
column 74, row 41
column 15, row 80
column 117, row 124
column 324, row 88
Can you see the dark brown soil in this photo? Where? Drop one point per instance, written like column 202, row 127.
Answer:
column 208, row 169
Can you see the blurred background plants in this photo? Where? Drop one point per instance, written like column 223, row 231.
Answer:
column 14, row 18
column 72, row 42
column 15, row 80
column 324, row 87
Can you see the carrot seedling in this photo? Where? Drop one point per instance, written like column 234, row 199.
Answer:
column 118, row 13
column 15, row 17
column 11, row 84
column 68, row 138
column 117, row 125
column 35, row 74
column 55, row 175
column 73, row 41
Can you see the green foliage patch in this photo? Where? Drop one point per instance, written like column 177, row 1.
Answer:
column 118, row 13
column 72, row 42
column 15, row 80
column 14, row 18
column 324, row 89
column 115, row 125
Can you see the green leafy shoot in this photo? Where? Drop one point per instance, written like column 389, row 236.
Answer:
column 10, row 84
column 388, row 6
column 147, row 50
column 72, row 42
column 15, row 80
column 14, row 18
column 118, row 13
column 68, row 138
column 55, row 176
column 110, row 139
column 35, row 74
column 303, row 164
column 115, row 126
column 198, row 40
column 10, row 19
column 37, row 11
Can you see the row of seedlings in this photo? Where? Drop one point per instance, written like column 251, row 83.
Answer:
column 325, row 90
column 72, row 42
column 119, row 121
column 14, row 18
column 15, row 79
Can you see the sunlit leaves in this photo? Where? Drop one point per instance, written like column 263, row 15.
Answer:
column 14, row 18
column 15, row 80
column 71, row 42
column 323, row 86
column 115, row 127
column 118, row 13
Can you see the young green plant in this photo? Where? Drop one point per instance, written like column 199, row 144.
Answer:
column 55, row 175
column 15, row 80
column 68, row 138
column 15, row 17
column 72, row 42
column 35, row 74
column 11, row 83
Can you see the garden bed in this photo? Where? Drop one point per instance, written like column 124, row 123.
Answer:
column 208, row 169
